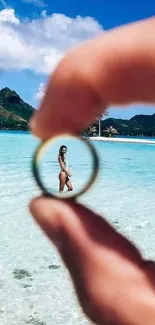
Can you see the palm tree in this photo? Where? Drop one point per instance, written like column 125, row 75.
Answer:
column 99, row 122
column 110, row 131
column 84, row 135
column 90, row 132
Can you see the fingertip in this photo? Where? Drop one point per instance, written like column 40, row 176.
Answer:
column 47, row 215
column 42, row 208
column 34, row 204
column 33, row 126
column 50, row 211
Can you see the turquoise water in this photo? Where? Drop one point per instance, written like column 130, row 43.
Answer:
column 124, row 192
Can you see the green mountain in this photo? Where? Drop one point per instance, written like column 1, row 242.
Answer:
column 139, row 125
column 15, row 115
column 14, row 112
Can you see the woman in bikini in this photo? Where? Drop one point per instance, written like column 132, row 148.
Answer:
column 64, row 176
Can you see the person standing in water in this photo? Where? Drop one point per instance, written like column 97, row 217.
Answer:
column 64, row 176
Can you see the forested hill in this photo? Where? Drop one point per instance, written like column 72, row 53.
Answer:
column 15, row 115
column 14, row 112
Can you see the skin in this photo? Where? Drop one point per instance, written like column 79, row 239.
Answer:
column 63, row 177
column 63, row 182
column 69, row 185
column 113, row 282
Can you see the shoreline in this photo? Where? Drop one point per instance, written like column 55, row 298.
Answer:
column 104, row 139
column 125, row 140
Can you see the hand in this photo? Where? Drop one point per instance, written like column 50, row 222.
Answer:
column 114, row 284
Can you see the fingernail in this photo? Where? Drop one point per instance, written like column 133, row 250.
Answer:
column 46, row 214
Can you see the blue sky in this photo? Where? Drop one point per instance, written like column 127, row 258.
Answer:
column 36, row 33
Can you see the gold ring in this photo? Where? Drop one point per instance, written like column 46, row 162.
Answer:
column 37, row 157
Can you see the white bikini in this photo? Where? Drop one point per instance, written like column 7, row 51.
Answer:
column 65, row 161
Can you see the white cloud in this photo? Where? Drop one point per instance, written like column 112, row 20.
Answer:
column 40, row 92
column 37, row 3
column 44, row 13
column 40, row 43
column 8, row 16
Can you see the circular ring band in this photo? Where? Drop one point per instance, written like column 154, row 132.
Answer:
column 38, row 154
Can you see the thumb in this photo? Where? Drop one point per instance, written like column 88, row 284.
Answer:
column 71, row 225
column 97, row 257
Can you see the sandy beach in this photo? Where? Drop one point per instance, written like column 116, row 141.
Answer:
column 127, row 140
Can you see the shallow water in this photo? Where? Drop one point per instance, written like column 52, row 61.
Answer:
column 124, row 192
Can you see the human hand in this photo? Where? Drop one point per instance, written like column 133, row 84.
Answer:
column 114, row 284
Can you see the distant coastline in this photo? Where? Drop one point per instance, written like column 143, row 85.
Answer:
column 124, row 139
column 15, row 115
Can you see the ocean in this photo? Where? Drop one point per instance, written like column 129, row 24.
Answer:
column 35, row 287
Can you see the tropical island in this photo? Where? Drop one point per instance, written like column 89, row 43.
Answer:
column 139, row 125
column 15, row 114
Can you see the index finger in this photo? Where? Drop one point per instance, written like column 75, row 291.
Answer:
column 115, row 68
